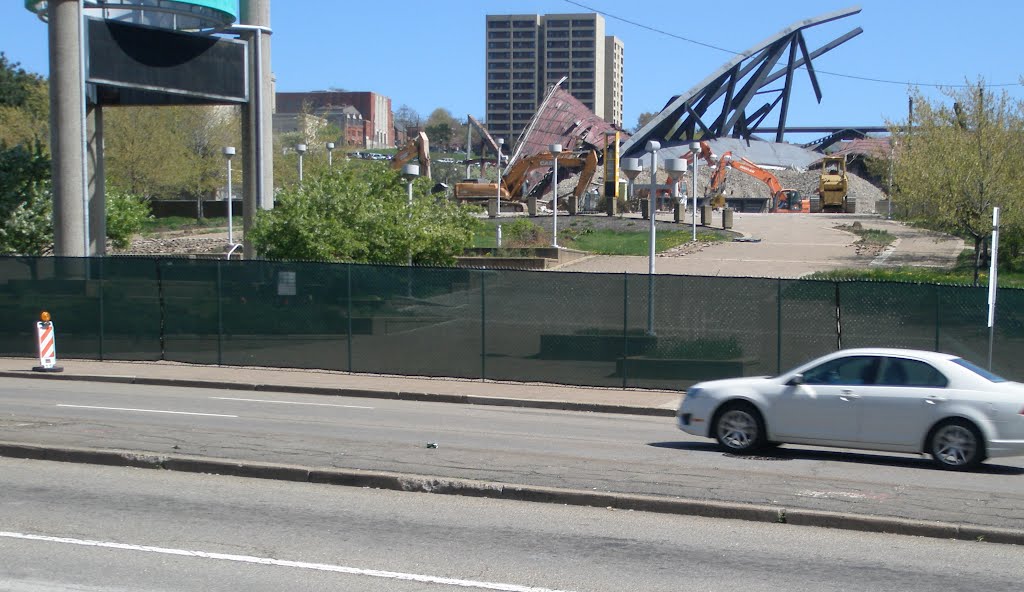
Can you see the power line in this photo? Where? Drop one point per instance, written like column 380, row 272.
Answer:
column 817, row 71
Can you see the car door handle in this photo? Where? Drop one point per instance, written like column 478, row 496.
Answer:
column 848, row 396
column 935, row 400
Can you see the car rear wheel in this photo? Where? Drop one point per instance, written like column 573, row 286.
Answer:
column 738, row 427
column 956, row 444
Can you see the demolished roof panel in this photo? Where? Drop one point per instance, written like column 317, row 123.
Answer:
column 562, row 119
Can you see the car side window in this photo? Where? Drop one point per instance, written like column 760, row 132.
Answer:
column 903, row 372
column 853, row 370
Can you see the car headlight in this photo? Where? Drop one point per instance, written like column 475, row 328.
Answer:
column 693, row 393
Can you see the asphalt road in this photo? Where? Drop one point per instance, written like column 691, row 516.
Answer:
column 614, row 453
column 83, row 528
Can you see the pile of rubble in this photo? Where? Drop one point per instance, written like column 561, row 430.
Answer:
column 177, row 244
column 741, row 185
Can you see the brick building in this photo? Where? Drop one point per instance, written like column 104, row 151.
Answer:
column 365, row 118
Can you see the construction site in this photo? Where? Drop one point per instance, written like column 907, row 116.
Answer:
column 731, row 126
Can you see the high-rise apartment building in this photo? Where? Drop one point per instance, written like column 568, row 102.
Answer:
column 527, row 53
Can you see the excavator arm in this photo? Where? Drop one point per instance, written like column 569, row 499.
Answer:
column 587, row 174
column 745, row 166
column 418, row 148
column 704, row 153
column 783, row 200
column 484, row 133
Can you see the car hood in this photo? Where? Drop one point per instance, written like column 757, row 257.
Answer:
column 728, row 383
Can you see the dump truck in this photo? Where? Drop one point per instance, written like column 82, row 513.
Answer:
column 833, row 186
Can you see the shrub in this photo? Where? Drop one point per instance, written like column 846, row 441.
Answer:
column 126, row 215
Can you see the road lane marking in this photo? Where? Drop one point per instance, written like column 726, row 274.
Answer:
column 376, row 573
column 147, row 410
column 291, row 403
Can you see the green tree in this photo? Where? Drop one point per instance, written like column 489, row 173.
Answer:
column 643, row 119
column 26, row 225
column 440, row 134
column 168, row 152
column 408, row 117
column 24, row 106
column 358, row 212
column 957, row 160
column 15, row 82
column 126, row 214
column 443, row 129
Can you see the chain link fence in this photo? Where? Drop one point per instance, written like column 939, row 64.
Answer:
column 610, row 330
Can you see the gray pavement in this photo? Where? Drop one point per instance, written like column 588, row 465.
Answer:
column 455, row 391
column 789, row 246
column 452, row 390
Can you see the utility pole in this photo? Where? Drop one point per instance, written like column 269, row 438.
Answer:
column 67, row 129
column 257, row 123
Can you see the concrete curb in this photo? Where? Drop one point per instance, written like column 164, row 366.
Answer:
column 363, row 393
column 527, row 493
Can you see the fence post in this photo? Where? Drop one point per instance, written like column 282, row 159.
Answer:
column 778, row 327
column 625, row 328
column 163, row 310
column 483, row 324
column 839, row 320
column 348, row 267
column 220, row 315
column 102, row 318
column 937, row 311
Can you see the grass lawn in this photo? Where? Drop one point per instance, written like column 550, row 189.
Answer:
column 961, row 274
column 613, row 242
column 176, row 223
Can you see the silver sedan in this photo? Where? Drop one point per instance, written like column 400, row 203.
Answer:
column 891, row 400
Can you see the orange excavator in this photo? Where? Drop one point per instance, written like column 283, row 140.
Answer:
column 704, row 153
column 783, row 200
column 512, row 180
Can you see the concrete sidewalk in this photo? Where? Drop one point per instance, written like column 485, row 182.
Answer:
column 326, row 382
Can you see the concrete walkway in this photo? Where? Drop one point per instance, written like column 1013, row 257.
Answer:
column 452, row 390
column 788, row 246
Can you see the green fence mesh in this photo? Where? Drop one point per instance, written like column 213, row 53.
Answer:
column 608, row 330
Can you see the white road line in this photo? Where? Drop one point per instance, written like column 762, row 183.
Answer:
column 281, row 563
column 147, row 410
column 291, row 403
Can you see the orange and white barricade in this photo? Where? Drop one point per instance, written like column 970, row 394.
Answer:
column 47, row 342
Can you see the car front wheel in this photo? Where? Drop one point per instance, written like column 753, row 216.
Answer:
column 738, row 427
column 956, row 444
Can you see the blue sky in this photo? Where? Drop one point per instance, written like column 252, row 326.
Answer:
column 430, row 54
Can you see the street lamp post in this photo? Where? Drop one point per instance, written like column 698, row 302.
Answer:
column 229, row 151
column 497, row 213
column 676, row 168
column 631, row 167
column 652, row 205
column 410, row 172
column 301, row 149
column 330, row 154
column 555, row 150
column 694, row 149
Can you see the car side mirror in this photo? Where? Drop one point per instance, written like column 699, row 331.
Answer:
column 797, row 379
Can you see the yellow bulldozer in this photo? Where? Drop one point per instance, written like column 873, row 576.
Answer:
column 834, row 187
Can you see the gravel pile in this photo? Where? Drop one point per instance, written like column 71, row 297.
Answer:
column 173, row 245
column 741, row 185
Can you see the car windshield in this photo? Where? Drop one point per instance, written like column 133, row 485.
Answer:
column 979, row 371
